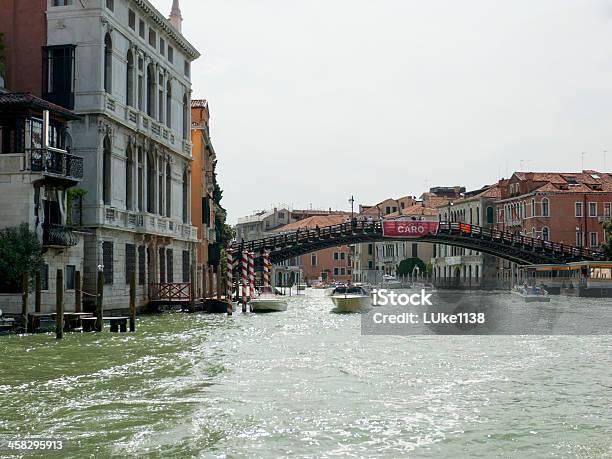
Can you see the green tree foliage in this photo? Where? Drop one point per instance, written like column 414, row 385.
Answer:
column 20, row 252
column 607, row 246
column 406, row 266
column 225, row 233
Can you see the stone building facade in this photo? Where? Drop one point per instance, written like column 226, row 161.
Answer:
column 125, row 69
column 35, row 173
column 459, row 266
column 569, row 208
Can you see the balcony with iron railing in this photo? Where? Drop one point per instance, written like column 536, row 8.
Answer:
column 55, row 163
column 60, row 236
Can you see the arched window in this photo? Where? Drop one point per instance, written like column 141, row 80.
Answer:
column 129, row 180
column 150, row 182
column 477, row 271
column 185, row 196
column 168, row 190
column 545, row 234
column 140, row 180
column 150, row 91
column 106, row 170
column 108, row 63
column 185, row 117
column 129, row 77
column 161, row 99
column 533, row 208
column 169, row 104
column 545, row 207
column 161, row 209
column 489, row 215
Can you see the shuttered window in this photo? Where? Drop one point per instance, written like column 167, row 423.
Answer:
column 107, row 261
column 170, row 265
column 141, row 265
column 186, row 265
column 130, row 261
column 162, row 265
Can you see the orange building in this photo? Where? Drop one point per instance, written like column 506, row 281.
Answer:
column 202, row 186
column 331, row 264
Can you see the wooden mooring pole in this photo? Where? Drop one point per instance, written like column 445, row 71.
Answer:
column 133, row 302
column 100, row 302
column 59, row 304
column 37, row 292
column 25, row 293
column 78, row 292
column 192, row 289
column 204, row 283
column 211, row 283
column 219, row 282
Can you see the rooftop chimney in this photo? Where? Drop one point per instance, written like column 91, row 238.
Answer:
column 176, row 19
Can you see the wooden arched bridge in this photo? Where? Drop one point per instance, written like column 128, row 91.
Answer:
column 515, row 248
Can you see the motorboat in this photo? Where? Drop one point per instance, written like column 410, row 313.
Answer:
column 302, row 286
column 391, row 282
column 330, row 290
column 531, row 294
column 427, row 286
column 267, row 301
column 351, row 298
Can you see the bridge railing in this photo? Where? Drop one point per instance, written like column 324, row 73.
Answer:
column 517, row 239
column 374, row 227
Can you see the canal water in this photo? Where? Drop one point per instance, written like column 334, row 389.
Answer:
column 306, row 383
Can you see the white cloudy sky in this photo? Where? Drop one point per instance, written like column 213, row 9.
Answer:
column 315, row 100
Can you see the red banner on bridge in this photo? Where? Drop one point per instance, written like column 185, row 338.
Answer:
column 408, row 228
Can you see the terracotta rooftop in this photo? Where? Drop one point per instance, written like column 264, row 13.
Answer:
column 314, row 221
column 416, row 209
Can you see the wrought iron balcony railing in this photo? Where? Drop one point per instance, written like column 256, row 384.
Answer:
column 59, row 236
column 52, row 161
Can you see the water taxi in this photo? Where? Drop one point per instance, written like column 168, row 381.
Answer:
column 531, row 294
column 267, row 301
column 351, row 298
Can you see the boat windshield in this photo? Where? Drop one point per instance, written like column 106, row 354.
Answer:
column 353, row 290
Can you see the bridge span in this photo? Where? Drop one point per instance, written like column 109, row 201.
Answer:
column 515, row 248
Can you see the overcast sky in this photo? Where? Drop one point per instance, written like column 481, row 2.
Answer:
column 314, row 100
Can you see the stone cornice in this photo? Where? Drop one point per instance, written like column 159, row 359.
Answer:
column 162, row 22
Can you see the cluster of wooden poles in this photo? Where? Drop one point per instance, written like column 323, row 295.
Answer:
column 78, row 300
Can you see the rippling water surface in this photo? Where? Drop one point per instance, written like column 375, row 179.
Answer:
column 306, row 383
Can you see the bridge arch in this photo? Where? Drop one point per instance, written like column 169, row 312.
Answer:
column 512, row 247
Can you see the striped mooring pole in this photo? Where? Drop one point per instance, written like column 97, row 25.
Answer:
column 266, row 269
column 251, row 274
column 230, row 281
column 245, row 268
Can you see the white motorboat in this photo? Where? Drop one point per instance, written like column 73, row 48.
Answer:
column 330, row 290
column 531, row 294
column 391, row 282
column 268, row 301
column 302, row 286
column 351, row 298
column 427, row 286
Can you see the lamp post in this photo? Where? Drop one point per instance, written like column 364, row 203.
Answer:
column 352, row 202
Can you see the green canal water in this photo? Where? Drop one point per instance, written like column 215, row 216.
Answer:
column 306, row 383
